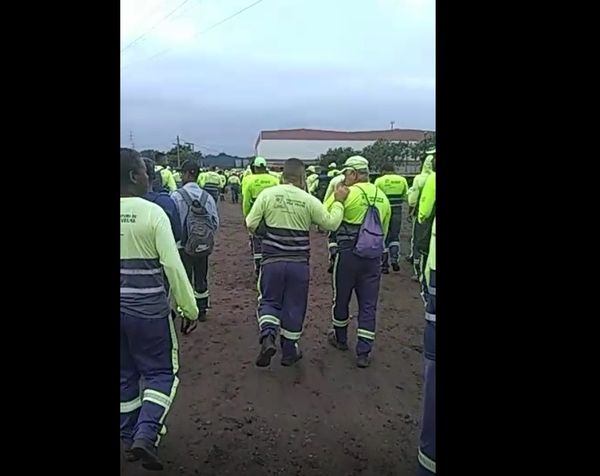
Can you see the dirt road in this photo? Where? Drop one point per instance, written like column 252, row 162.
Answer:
column 322, row 417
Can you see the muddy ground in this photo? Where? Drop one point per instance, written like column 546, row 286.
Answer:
column 324, row 416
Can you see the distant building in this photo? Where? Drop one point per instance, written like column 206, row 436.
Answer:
column 309, row 144
column 225, row 161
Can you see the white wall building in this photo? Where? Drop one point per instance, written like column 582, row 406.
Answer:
column 308, row 144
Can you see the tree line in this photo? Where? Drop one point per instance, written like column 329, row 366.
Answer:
column 380, row 152
column 185, row 152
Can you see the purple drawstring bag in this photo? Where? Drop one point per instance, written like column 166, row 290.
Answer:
column 370, row 242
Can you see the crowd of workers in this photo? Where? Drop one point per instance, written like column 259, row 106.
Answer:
column 168, row 222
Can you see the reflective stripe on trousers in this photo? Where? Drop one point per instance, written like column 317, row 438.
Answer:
column 352, row 274
column 149, row 353
column 283, row 298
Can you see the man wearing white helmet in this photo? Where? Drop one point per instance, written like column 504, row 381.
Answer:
column 312, row 180
column 333, row 171
column 357, row 267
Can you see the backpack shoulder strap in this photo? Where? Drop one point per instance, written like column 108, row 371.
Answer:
column 203, row 198
column 365, row 195
column 186, row 196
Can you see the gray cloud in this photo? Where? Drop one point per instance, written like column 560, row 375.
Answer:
column 225, row 88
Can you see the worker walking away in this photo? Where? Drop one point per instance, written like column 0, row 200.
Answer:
column 234, row 188
column 414, row 194
column 211, row 182
column 331, row 238
column 332, row 170
column 357, row 267
column 395, row 188
column 252, row 186
column 323, row 185
column 282, row 215
column 427, row 455
column 149, row 349
column 312, row 180
column 425, row 220
column 223, row 183
column 276, row 174
column 177, row 177
column 163, row 200
column 166, row 176
column 247, row 172
column 202, row 176
column 199, row 222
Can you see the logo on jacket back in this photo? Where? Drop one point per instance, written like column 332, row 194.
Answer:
column 128, row 217
column 279, row 202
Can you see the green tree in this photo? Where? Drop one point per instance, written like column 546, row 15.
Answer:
column 337, row 155
column 186, row 152
column 418, row 150
column 382, row 151
column 150, row 153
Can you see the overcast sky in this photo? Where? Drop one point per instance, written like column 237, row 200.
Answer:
column 328, row 64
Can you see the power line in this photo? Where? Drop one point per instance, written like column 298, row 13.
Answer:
column 154, row 11
column 215, row 25
column 155, row 25
column 228, row 18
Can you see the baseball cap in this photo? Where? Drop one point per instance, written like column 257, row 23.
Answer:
column 356, row 162
column 260, row 162
column 310, row 168
column 332, row 165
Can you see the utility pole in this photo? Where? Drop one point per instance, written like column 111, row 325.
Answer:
column 178, row 159
column 192, row 150
column 392, row 124
column 131, row 139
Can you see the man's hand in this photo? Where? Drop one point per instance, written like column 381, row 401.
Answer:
column 341, row 192
column 187, row 326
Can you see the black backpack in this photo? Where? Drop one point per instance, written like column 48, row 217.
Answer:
column 322, row 187
column 198, row 232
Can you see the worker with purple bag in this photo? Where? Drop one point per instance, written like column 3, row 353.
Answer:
column 357, row 267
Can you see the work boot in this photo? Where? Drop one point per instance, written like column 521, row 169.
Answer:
column 396, row 267
column 129, row 456
column 363, row 361
column 330, row 269
column 267, row 351
column 332, row 339
column 290, row 360
column 409, row 258
column 202, row 315
column 385, row 270
column 146, row 451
